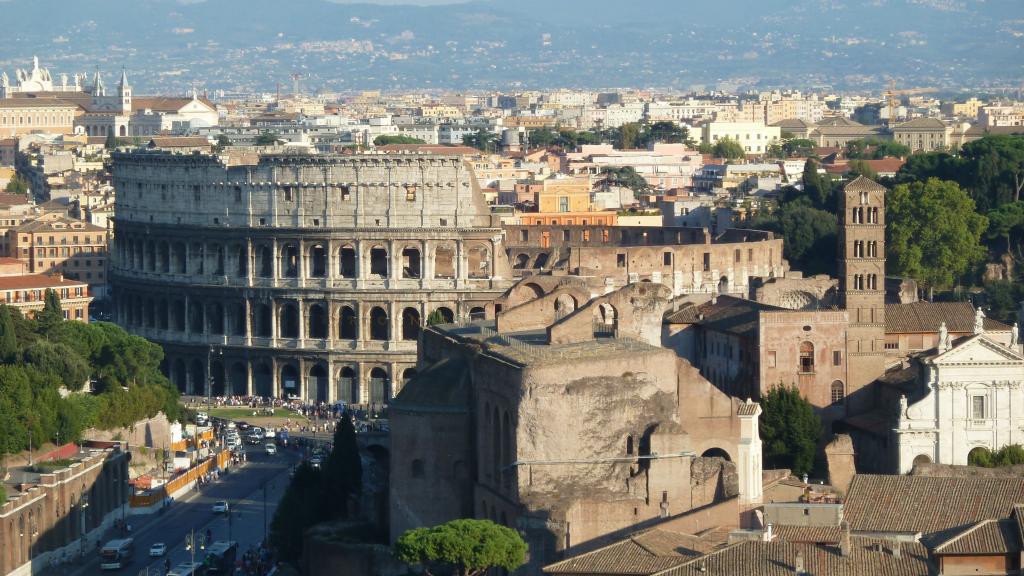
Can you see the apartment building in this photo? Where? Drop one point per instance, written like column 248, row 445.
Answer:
column 754, row 137
column 54, row 243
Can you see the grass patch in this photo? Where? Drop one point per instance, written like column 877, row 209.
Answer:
column 51, row 465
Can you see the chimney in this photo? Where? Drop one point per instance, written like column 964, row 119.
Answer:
column 845, row 547
column 798, row 564
column 767, row 536
column 897, row 550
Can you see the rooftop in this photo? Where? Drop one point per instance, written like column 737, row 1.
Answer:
column 33, row 281
column 641, row 554
column 928, row 316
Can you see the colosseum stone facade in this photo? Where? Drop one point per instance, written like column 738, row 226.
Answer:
column 298, row 275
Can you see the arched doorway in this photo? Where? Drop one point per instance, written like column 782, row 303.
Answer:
column 290, row 386
column 198, row 377
column 263, row 380
column 378, row 386
column 716, row 453
column 318, row 382
column 379, row 324
column 238, row 380
column 348, row 390
column 410, row 324
column 289, row 321
column 922, row 459
column 317, row 321
column 445, row 314
column 606, row 321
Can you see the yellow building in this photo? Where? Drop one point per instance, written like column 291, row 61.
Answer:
column 27, row 115
column 564, row 195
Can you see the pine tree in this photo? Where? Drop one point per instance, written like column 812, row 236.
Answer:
column 51, row 315
column 8, row 340
column 344, row 473
column 111, row 141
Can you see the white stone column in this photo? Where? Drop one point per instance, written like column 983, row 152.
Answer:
column 748, row 465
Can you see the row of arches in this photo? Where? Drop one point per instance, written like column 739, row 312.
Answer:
column 319, row 320
column 295, row 259
column 289, row 380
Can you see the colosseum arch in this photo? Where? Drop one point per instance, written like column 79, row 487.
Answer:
column 150, row 257
column 380, row 327
column 263, row 380
column 289, row 254
column 522, row 261
column 445, row 314
column 265, row 261
column 219, row 264
column 606, row 321
column 565, row 304
column 179, row 375
column 411, row 262
column 410, row 323
column 217, row 379
column 215, row 315
column 444, row 262
column 317, row 256
column 262, row 320
column 479, row 262
column 238, row 379
column 318, row 384
column 477, row 313
column 379, row 261
column 178, row 315
column 241, row 260
column 197, row 376
column 288, row 320
column 161, row 314
column 347, row 262
column 407, row 375
column 179, row 261
column 164, row 257
column 348, row 327
column 197, row 317
column 197, row 255
column 317, row 321
column 148, row 313
column 348, row 386
column 236, row 319
column 290, row 381
column 379, row 386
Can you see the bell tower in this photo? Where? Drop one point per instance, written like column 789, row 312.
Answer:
column 862, row 286
column 125, row 92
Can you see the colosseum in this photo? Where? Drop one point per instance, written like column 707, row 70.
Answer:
column 297, row 275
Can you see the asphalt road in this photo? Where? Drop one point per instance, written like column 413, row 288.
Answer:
column 242, row 488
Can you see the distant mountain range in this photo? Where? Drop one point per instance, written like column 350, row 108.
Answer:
column 167, row 45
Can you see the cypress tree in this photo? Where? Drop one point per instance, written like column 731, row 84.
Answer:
column 8, row 340
column 51, row 315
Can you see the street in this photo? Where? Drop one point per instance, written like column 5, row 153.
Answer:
column 243, row 490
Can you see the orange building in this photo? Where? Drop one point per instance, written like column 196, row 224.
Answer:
column 54, row 243
column 27, row 293
column 564, row 195
column 568, row 218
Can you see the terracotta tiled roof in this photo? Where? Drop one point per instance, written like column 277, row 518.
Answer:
column 31, row 281
column 862, row 184
column 747, row 408
column 35, row 103
column 927, row 316
column 885, row 165
column 928, row 504
column 430, row 149
column 639, row 555
column 47, row 225
column 13, row 199
column 984, row 538
column 179, row 142
column 755, row 558
column 808, row 534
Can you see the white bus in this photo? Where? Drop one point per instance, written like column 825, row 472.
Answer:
column 117, row 553
column 187, row 569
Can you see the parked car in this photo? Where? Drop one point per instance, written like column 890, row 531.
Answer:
column 271, row 448
column 158, row 549
column 220, row 507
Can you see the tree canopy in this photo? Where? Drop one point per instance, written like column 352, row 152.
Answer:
column 385, row 139
column 17, row 185
column 1009, row 455
column 875, row 149
column 933, row 232
column 464, row 547
column 789, row 430
column 665, row 132
column 626, row 177
column 41, row 359
column 266, row 139
column 729, row 149
column 482, row 140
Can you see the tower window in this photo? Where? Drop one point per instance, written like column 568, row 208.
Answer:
column 806, row 358
column 838, row 392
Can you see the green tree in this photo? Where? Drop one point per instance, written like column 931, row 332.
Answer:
column 626, row 177
column 729, row 149
column 8, row 337
column 817, row 188
column 299, row 509
column 861, row 168
column 17, row 185
column 221, row 143
column 343, row 474
column 266, row 139
column 789, row 430
column 799, row 148
column 809, row 235
column 1009, row 455
column 59, row 360
column 996, row 169
column 542, row 137
column 933, row 233
column 628, row 136
column 51, row 315
column 111, row 142
column 462, row 547
column 385, row 139
column 482, row 140
column 1007, row 223
column 666, row 132
column 435, row 318
column 1002, row 297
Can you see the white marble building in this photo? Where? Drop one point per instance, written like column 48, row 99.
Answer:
column 972, row 398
